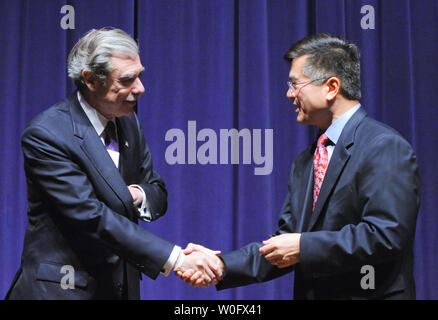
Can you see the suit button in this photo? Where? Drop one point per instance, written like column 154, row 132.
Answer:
column 119, row 286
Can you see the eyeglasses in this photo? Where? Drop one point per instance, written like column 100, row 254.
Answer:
column 294, row 86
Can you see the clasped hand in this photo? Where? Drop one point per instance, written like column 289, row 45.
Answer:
column 282, row 250
column 201, row 266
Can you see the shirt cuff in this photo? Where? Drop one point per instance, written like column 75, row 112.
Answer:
column 170, row 263
column 143, row 212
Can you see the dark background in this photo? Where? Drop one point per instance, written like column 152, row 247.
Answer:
column 219, row 63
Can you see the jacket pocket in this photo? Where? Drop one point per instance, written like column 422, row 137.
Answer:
column 54, row 272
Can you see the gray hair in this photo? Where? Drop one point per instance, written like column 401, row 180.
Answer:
column 93, row 53
column 330, row 56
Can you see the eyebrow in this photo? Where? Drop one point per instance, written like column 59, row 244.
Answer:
column 131, row 75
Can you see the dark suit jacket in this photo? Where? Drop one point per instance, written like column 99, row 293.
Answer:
column 365, row 215
column 81, row 213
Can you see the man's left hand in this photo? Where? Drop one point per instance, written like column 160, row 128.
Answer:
column 282, row 250
column 136, row 194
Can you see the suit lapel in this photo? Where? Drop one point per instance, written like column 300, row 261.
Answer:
column 307, row 180
column 98, row 156
column 339, row 159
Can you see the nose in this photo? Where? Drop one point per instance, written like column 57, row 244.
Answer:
column 138, row 87
column 290, row 94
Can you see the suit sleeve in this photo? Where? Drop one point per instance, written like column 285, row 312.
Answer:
column 388, row 188
column 150, row 181
column 49, row 168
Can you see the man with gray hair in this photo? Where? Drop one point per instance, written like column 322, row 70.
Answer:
column 347, row 226
column 90, row 178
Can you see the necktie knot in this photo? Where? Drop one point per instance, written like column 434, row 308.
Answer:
column 323, row 141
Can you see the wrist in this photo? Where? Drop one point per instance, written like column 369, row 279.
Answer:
column 221, row 267
column 179, row 261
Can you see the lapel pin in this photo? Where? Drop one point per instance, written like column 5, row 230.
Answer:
column 126, row 144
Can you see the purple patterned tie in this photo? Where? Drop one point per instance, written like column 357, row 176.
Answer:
column 110, row 137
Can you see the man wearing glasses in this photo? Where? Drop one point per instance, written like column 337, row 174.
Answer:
column 353, row 195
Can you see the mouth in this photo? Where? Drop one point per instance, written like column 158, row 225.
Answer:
column 297, row 106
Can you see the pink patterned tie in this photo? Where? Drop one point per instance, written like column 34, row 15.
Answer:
column 320, row 164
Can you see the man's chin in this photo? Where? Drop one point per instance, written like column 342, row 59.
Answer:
column 130, row 107
column 300, row 118
column 126, row 112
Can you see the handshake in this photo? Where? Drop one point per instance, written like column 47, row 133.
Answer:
column 200, row 266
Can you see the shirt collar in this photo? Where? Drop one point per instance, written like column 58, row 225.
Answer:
column 334, row 131
column 98, row 121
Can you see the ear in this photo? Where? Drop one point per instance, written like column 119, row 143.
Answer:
column 90, row 80
column 333, row 88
